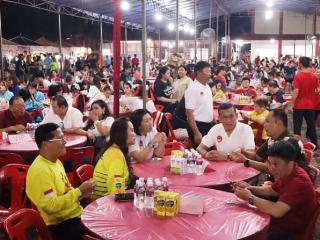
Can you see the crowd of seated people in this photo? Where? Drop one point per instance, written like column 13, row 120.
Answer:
column 78, row 99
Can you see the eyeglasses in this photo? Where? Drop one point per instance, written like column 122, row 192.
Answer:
column 57, row 139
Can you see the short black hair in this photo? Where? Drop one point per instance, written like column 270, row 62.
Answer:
column 33, row 84
column 44, row 133
column 201, row 65
column 68, row 78
column 13, row 99
column 305, row 61
column 136, row 119
column 53, row 90
column 282, row 149
column 273, row 84
column 226, row 106
column 245, row 79
column 281, row 115
column 219, row 69
column 61, row 101
column 25, row 94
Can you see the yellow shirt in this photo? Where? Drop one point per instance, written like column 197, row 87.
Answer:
column 259, row 117
column 112, row 163
column 49, row 189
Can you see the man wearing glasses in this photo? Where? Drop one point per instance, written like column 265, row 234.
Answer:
column 15, row 118
column 49, row 189
column 68, row 118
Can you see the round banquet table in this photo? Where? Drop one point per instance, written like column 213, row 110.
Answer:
column 225, row 218
column 29, row 150
column 218, row 174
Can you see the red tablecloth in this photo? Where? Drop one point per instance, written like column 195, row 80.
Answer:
column 217, row 174
column 225, row 218
column 29, row 150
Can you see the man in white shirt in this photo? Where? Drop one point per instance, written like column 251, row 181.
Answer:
column 68, row 118
column 228, row 136
column 199, row 103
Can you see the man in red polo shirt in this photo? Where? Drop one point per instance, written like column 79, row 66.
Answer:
column 296, row 197
column 245, row 89
column 15, row 118
column 304, row 99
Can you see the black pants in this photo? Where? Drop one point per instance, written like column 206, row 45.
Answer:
column 203, row 127
column 69, row 229
column 308, row 115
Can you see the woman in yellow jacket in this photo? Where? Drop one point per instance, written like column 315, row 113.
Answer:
column 114, row 160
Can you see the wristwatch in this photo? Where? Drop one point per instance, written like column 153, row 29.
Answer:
column 251, row 199
column 246, row 163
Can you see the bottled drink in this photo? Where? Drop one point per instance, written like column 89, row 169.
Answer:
column 149, row 195
column 199, row 162
column 135, row 189
column 165, row 185
column 158, row 185
column 141, row 192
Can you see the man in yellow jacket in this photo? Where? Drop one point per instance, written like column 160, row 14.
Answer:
column 49, row 189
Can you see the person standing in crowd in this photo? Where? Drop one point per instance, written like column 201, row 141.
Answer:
column 115, row 160
column 181, row 84
column 199, row 104
column 135, row 61
column 55, row 198
column 296, row 197
column 305, row 98
column 163, row 90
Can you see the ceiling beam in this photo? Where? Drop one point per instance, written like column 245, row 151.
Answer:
column 222, row 7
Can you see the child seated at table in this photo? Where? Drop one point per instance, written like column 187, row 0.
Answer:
column 258, row 115
column 217, row 92
column 275, row 94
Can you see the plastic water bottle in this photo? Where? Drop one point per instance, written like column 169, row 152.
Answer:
column 141, row 179
column 135, row 189
column 165, row 184
column 199, row 162
column 193, row 160
column 149, row 195
column 158, row 185
column 141, row 192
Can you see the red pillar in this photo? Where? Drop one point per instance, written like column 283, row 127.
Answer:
column 116, row 54
column 280, row 36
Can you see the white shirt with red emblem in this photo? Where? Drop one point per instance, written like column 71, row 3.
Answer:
column 241, row 138
column 198, row 97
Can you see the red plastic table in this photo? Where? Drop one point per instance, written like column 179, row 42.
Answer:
column 217, row 175
column 29, row 150
column 225, row 218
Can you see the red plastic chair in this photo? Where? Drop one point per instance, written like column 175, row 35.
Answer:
column 12, row 190
column 74, row 158
column 313, row 173
column 309, row 155
column 85, row 172
column 172, row 146
column 308, row 234
column 172, row 137
column 258, row 136
column 8, row 158
column 151, row 93
column 309, row 146
column 18, row 224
